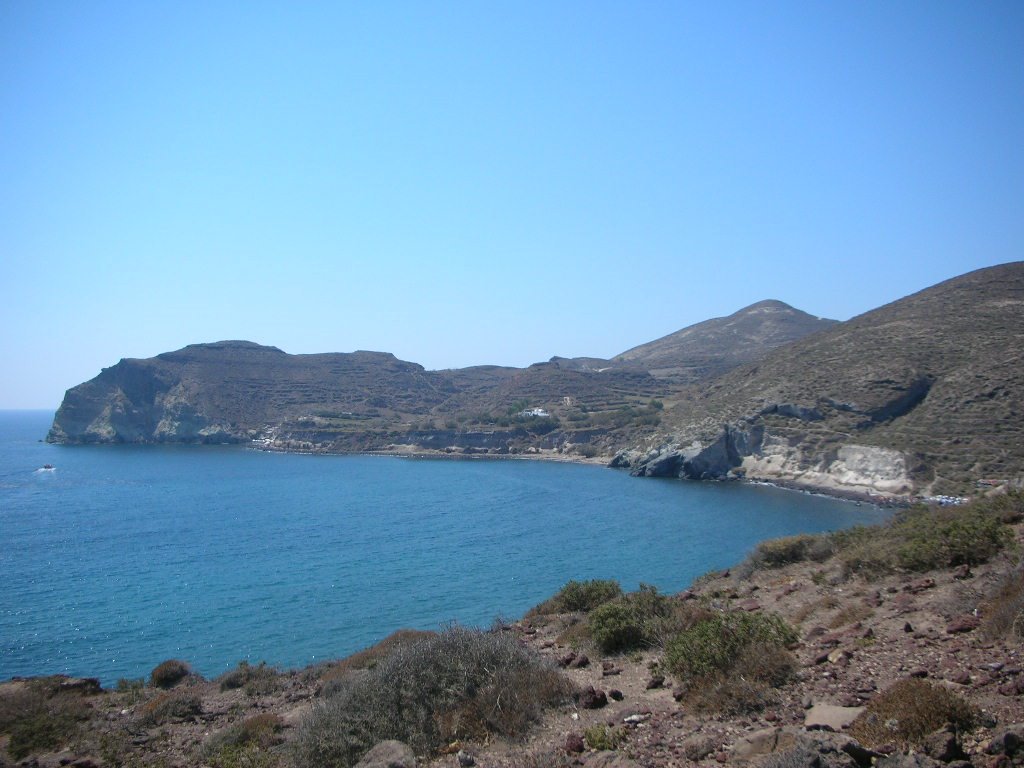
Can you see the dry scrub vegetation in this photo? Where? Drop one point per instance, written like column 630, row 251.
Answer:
column 460, row 684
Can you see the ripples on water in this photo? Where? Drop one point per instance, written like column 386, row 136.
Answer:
column 125, row 556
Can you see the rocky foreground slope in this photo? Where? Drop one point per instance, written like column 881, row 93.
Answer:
column 922, row 396
column 898, row 647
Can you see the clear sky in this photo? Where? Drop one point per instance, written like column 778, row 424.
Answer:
column 468, row 183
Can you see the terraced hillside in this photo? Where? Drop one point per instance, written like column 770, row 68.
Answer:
column 238, row 391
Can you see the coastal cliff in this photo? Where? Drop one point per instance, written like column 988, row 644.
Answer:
column 924, row 395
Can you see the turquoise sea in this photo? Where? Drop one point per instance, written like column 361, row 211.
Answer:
column 123, row 556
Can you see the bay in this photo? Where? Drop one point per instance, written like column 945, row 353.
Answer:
column 124, row 556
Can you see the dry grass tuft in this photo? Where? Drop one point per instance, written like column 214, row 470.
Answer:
column 908, row 711
column 169, row 706
column 1003, row 611
column 169, row 673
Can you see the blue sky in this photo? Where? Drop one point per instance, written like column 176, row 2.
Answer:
column 469, row 183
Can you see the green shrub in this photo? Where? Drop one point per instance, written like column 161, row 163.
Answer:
column 1007, row 507
column 908, row 711
column 601, row 737
column 40, row 731
column 169, row 673
column 245, row 744
column 732, row 662
column 40, row 717
column 641, row 619
column 776, row 553
column 749, row 685
column 459, row 684
column 925, row 538
column 714, row 644
column 950, row 539
column 614, row 628
column 579, row 597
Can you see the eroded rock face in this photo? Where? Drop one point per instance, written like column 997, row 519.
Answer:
column 748, row 449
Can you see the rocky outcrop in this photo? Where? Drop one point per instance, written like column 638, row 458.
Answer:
column 748, row 449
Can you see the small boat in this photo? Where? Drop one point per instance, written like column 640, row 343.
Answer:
column 46, row 468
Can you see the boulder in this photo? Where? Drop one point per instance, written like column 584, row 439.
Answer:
column 388, row 754
column 907, row 761
column 966, row 623
column 696, row 748
column 830, row 717
column 574, row 744
column 1008, row 740
column 591, row 698
column 764, row 742
column 943, row 745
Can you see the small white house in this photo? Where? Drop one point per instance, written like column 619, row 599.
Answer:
column 537, row 412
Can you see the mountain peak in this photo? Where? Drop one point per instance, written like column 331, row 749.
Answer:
column 714, row 346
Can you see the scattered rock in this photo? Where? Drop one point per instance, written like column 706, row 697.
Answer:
column 655, row 682
column 615, row 694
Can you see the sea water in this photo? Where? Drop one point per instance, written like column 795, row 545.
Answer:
column 123, row 556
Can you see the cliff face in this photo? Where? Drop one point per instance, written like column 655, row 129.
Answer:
column 230, row 392
column 925, row 394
